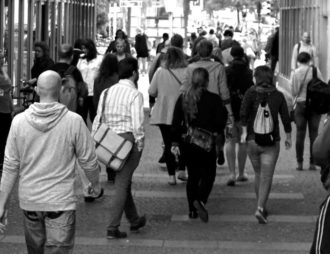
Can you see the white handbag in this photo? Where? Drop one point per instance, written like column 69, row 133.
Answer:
column 111, row 149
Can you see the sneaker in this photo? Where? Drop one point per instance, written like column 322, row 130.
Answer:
column 201, row 211
column 242, row 178
column 182, row 176
column 193, row 215
column 116, row 234
column 260, row 215
column 140, row 224
column 221, row 158
column 172, row 180
column 231, row 181
column 312, row 167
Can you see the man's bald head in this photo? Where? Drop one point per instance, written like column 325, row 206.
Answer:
column 65, row 51
column 49, row 86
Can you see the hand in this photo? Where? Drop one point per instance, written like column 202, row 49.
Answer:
column 80, row 101
column 230, row 121
column 288, row 144
column 243, row 137
column 175, row 150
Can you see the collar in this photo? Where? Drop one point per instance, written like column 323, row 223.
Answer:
column 127, row 82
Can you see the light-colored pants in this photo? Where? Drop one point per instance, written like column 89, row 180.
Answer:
column 49, row 232
column 263, row 160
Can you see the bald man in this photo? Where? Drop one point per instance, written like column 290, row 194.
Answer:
column 305, row 45
column 44, row 142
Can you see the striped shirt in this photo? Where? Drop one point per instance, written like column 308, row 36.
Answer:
column 123, row 110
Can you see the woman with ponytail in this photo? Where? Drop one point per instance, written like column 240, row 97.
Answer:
column 197, row 108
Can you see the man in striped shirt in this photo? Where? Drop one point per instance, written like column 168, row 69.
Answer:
column 123, row 113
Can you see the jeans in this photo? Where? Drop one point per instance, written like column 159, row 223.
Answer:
column 302, row 119
column 169, row 157
column 49, row 232
column 201, row 174
column 122, row 200
column 88, row 107
column 263, row 160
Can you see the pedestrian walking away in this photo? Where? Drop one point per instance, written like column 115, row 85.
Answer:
column 198, row 110
column 46, row 186
column 263, row 150
column 123, row 113
column 303, row 116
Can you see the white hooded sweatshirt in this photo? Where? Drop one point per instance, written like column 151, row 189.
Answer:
column 42, row 146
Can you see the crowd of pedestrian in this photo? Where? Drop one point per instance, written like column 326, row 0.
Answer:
column 205, row 104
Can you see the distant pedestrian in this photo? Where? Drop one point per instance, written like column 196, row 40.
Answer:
column 165, row 87
column 89, row 65
column 305, row 45
column 264, row 157
column 274, row 49
column 239, row 80
column 58, row 138
column 198, row 108
column 142, row 51
column 304, row 117
column 321, row 155
column 120, row 50
column 161, row 45
column 120, row 34
column 123, row 113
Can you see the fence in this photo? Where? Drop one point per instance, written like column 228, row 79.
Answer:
column 22, row 22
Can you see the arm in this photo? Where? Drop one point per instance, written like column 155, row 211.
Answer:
column 11, row 167
column 177, row 122
column 294, row 57
column 85, row 153
column 96, row 122
column 137, row 120
column 321, row 146
column 153, row 89
column 315, row 57
column 246, row 109
column 153, row 67
column 224, row 93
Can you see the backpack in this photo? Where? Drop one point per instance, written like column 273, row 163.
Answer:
column 318, row 95
column 68, row 93
column 263, row 126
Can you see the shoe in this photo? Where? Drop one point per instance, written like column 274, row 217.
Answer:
column 201, row 211
column 260, row 215
column 242, row 178
column 300, row 166
column 90, row 199
column 162, row 159
column 140, row 224
column 172, row 180
column 182, row 176
column 312, row 167
column 221, row 158
column 231, row 181
column 193, row 215
column 116, row 234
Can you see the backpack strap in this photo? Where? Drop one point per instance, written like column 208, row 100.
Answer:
column 70, row 70
column 314, row 71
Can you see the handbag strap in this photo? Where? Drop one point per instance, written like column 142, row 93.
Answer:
column 103, row 104
column 176, row 78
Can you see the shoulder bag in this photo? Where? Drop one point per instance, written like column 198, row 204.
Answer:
column 111, row 149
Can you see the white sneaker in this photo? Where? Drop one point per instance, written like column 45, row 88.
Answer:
column 171, row 180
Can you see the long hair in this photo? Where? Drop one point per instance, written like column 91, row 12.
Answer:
column 44, row 47
column 92, row 51
column 174, row 58
column 199, row 82
column 108, row 67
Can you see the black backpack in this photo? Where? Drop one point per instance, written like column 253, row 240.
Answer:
column 318, row 95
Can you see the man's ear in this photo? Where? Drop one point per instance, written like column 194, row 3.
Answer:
column 36, row 89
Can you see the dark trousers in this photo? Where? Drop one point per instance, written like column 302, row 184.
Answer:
column 303, row 119
column 201, row 174
column 88, row 107
column 169, row 157
column 5, row 120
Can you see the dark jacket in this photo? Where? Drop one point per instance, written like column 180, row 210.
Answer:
column 141, row 45
column 277, row 105
column 41, row 65
column 239, row 80
column 211, row 116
